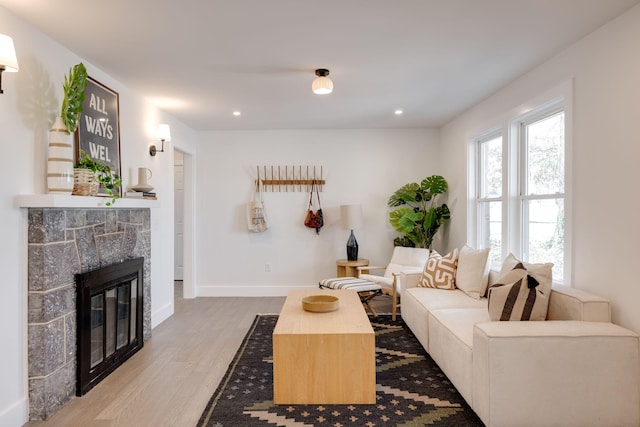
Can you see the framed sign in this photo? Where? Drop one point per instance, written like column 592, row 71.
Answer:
column 99, row 127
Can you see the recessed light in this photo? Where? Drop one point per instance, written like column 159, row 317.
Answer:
column 236, row 113
column 398, row 112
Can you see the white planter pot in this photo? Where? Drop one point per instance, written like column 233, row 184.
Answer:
column 60, row 159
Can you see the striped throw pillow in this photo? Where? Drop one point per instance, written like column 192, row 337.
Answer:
column 519, row 295
column 440, row 271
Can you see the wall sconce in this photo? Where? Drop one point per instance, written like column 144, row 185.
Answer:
column 8, row 60
column 163, row 133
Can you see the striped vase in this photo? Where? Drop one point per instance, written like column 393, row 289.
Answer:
column 60, row 160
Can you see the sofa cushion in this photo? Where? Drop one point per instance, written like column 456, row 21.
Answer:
column 440, row 271
column 518, row 295
column 415, row 315
column 460, row 321
column 472, row 274
column 451, row 342
column 435, row 299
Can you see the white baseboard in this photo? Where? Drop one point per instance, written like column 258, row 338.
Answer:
column 15, row 415
column 247, row 291
column 161, row 315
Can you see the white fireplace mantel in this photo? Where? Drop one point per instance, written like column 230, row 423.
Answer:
column 65, row 201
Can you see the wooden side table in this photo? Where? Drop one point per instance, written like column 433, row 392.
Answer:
column 348, row 268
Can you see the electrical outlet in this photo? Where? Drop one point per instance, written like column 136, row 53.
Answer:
column 267, row 267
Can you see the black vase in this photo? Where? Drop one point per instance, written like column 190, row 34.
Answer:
column 352, row 248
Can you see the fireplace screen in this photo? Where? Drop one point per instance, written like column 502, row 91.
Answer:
column 109, row 304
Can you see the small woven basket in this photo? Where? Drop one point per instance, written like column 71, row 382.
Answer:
column 84, row 183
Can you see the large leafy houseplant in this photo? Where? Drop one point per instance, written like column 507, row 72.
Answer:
column 418, row 215
column 109, row 180
column 74, row 86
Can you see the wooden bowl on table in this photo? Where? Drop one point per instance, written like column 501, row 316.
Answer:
column 320, row 303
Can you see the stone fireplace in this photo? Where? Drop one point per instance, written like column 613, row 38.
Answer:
column 63, row 242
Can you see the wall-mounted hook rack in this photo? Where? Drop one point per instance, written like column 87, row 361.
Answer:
column 290, row 178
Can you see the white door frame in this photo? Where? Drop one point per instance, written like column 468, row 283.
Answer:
column 189, row 251
column 178, row 215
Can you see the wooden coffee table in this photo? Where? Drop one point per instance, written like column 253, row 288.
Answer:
column 324, row 358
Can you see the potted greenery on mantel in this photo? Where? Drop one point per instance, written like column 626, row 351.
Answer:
column 60, row 174
column 90, row 174
column 418, row 216
column 74, row 88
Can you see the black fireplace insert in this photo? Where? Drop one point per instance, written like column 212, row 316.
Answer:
column 110, row 316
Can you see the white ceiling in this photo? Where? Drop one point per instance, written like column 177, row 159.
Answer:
column 202, row 59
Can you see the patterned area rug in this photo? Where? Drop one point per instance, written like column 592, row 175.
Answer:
column 411, row 390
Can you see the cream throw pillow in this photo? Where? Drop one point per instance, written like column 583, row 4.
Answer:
column 472, row 275
column 542, row 272
column 522, row 291
column 440, row 271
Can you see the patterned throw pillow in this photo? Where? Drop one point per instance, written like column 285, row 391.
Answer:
column 440, row 271
column 521, row 294
column 542, row 272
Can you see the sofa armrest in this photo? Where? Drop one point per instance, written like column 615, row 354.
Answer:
column 568, row 373
column 567, row 303
column 409, row 279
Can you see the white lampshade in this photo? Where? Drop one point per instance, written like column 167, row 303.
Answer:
column 8, row 54
column 163, row 133
column 351, row 216
column 322, row 85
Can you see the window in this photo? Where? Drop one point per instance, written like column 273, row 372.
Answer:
column 518, row 190
column 542, row 190
column 490, row 196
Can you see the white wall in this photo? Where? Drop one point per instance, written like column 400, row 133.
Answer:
column 30, row 102
column 605, row 67
column 360, row 166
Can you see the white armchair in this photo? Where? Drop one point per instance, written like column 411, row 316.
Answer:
column 403, row 260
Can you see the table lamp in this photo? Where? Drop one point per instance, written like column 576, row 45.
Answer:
column 351, row 217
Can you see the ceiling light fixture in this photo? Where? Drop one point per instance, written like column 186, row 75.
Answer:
column 8, row 60
column 398, row 112
column 322, row 85
column 236, row 113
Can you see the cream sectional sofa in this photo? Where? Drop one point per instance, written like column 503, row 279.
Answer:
column 574, row 369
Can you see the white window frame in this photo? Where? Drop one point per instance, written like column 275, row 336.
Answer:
column 509, row 126
column 518, row 147
column 477, row 185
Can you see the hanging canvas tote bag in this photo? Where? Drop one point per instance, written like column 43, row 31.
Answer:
column 256, row 215
column 314, row 219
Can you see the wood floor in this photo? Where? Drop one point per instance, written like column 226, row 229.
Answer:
column 169, row 381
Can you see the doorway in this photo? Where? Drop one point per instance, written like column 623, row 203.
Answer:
column 178, row 215
column 183, row 198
